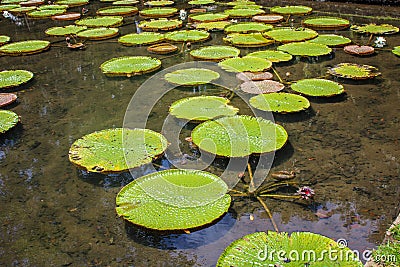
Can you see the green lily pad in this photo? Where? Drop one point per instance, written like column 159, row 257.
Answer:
column 158, row 12
column 159, row 3
column 174, row 200
column 130, row 65
column 208, row 17
column 12, row 78
column 375, row 29
column 4, row 39
column 354, row 71
column 6, row 7
column 326, row 23
column 72, row 3
column 191, row 77
column 305, row 49
column 246, row 27
column 187, row 36
column 291, row 10
column 331, row 40
column 280, row 102
column 98, row 33
column 248, row 39
column 396, row 50
column 201, row 2
column 22, row 9
column 161, row 24
column 271, row 55
column 144, row 38
column 117, row 11
column 25, row 47
column 65, row 31
column 239, row 136
column 287, row 35
column 101, row 21
column 125, row 3
column 52, row 7
column 202, row 108
column 213, row 25
column 4, row 2
column 241, row 3
column 243, row 12
column 273, row 249
column 215, row 53
column 240, row 64
column 317, row 87
column 117, row 150
column 47, row 13
column 8, row 120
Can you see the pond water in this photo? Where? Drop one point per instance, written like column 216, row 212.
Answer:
column 52, row 214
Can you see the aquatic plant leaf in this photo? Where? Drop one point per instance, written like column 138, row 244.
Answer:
column 7, row 99
column 326, row 23
column 254, row 76
column 305, row 49
column 202, row 108
column 268, row 18
column 162, row 24
column 287, row 35
column 215, row 53
column 359, row 50
column 117, row 11
column 261, row 249
column 22, row 10
column 8, row 119
column 101, row 21
column 65, row 31
column 213, row 25
column 25, row 47
column 261, row 87
column 317, row 87
column 6, row 7
column 271, row 55
column 239, row 136
column 125, row 2
column 159, row 3
column 396, row 50
column 191, row 77
column 280, row 102
column 201, row 2
column 208, row 17
column 99, row 33
column 12, row 78
column 240, row 64
column 330, row 40
column 375, row 28
column 174, row 200
column 72, row 3
column 117, row 150
column 158, row 12
column 291, row 10
column 354, row 71
column 143, row 38
column 248, row 39
column 246, row 27
column 162, row 48
column 4, row 39
column 44, row 14
column 130, row 65
column 187, row 36
column 52, row 7
column 67, row 16
column 243, row 12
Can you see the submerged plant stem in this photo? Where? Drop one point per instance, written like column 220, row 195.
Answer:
column 277, row 75
column 269, row 213
column 252, row 186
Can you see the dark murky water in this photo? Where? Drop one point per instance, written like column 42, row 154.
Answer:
column 55, row 215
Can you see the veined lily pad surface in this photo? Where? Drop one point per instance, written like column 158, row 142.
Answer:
column 280, row 102
column 215, row 53
column 101, row 21
column 191, row 77
column 174, row 200
column 12, row 78
column 117, row 11
column 202, row 108
column 143, row 38
column 256, row 250
column 65, row 30
column 248, row 39
column 44, row 14
column 208, row 17
column 375, row 29
column 162, row 24
column 213, row 25
column 291, row 10
column 326, row 23
column 117, row 150
column 271, row 55
column 130, row 65
column 396, row 50
column 354, row 71
column 331, row 40
column 158, row 12
column 243, row 12
column 8, row 119
column 359, row 50
column 239, row 136
column 240, row 64
column 98, row 33
column 187, row 36
column 25, row 47
column 287, row 35
column 317, row 87
column 261, row 87
column 305, row 49
column 245, row 27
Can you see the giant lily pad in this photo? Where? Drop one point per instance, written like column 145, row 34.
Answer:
column 245, row 27
column 201, row 2
column 261, row 87
column 375, row 29
column 67, row 16
column 208, row 17
column 117, row 150
column 8, row 120
column 330, row 40
column 159, row 3
column 354, row 71
column 213, row 25
column 215, row 53
column 98, row 33
column 359, row 50
column 25, row 47
column 305, row 49
column 271, row 55
column 317, row 87
column 143, row 38
column 117, row 11
column 291, row 10
column 162, row 24
column 4, row 39
column 280, row 102
column 191, row 77
column 65, row 31
column 72, row 3
column 12, row 78
column 280, row 249
column 22, row 10
column 269, row 18
column 287, row 35
column 187, row 36
column 7, row 99
column 239, row 136
column 396, row 50
column 6, row 7
column 158, row 12
column 101, row 21
column 248, row 39
column 193, row 199
column 162, row 48
column 130, row 65
column 326, row 23
column 240, row 64
column 44, row 14
column 243, row 12
column 202, row 108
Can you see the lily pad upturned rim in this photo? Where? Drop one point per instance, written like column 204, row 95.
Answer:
column 354, row 71
column 215, row 52
column 13, row 78
column 136, row 65
column 191, row 76
column 317, row 87
column 305, row 49
column 25, row 47
column 326, row 23
column 291, row 10
column 280, row 102
column 8, row 119
column 7, row 99
column 240, row 64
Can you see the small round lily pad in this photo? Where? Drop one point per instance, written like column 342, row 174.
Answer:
column 375, row 28
column 331, row 40
column 396, row 50
column 144, row 38
column 291, row 10
column 191, row 77
column 101, row 21
column 130, row 65
column 25, row 47
column 7, row 99
column 240, row 64
column 305, row 49
column 317, row 87
column 246, row 27
column 261, row 87
column 65, row 30
column 280, row 102
column 248, row 39
column 117, row 11
column 202, row 108
column 187, row 36
column 271, row 55
column 8, row 119
column 117, row 150
column 215, row 52
column 287, row 35
column 12, row 78
column 326, row 23
column 161, row 24
column 354, row 71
